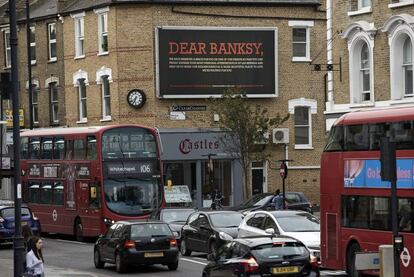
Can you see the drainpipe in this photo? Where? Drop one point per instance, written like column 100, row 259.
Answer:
column 329, row 51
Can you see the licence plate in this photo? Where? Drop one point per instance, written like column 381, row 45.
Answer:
column 286, row 269
column 154, row 254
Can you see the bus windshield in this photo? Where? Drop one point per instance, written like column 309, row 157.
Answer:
column 131, row 196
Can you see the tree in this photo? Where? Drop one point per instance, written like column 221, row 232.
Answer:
column 246, row 127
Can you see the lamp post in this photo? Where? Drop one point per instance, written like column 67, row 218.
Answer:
column 29, row 64
column 18, row 246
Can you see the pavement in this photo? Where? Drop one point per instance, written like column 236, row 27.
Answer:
column 50, row 271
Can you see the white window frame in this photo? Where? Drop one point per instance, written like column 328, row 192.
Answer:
column 361, row 4
column 102, row 72
column 51, row 42
column 35, row 104
column 400, row 3
column 361, row 9
column 301, row 24
column 311, row 104
column 405, row 67
column 102, row 30
column 54, row 117
column 82, row 114
column 79, row 20
column 106, row 97
column 80, row 74
column 7, row 48
column 33, row 44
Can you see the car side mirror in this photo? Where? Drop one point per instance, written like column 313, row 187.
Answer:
column 270, row 231
column 211, row 257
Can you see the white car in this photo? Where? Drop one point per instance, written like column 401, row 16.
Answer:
column 297, row 224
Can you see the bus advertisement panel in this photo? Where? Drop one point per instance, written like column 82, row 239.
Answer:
column 80, row 180
column 355, row 202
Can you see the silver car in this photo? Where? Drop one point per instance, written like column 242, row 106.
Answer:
column 297, row 224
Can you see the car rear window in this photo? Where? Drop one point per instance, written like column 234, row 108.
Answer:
column 150, row 230
column 281, row 250
column 9, row 212
column 303, row 222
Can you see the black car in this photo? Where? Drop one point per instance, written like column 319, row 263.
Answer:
column 262, row 256
column 176, row 218
column 128, row 243
column 206, row 231
column 263, row 201
column 28, row 219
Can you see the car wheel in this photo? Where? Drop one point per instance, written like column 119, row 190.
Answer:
column 97, row 259
column 78, row 232
column 119, row 264
column 173, row 266
column 213, row 248
column 205, row 274
column 183, row 249
column 350, row 260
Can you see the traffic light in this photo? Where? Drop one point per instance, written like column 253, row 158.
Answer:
column 5, row 85
column 388, row 160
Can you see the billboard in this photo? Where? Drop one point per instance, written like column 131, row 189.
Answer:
column 367, row 174
column 201, row 62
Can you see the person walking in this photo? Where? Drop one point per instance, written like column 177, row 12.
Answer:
column 278, row 200
column 27, row 235
column 34, row 258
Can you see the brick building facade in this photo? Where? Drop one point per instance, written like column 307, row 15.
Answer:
column 110, row 48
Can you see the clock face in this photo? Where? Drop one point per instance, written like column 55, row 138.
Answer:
column 136, row 98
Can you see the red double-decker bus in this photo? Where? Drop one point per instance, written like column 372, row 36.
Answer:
column 80, row 180
column 355, row 203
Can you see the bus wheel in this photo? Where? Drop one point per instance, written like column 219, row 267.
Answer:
column 78, row 230
column 350, row 260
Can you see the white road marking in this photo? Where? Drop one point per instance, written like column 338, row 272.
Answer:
column 70, row 241
column 192, row 261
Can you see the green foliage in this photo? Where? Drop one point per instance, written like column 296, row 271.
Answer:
column 248, row 126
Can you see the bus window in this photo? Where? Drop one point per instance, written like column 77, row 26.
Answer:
column 94, row 196
column 58, row 193
column 150, row 147
column 24, row 147
column 79, row 149
column 34, row 148
column 335, row 141
column 356, row 137
column 69, row 149
column 403, row 133
column 376, row 132
column 91, row 152
column 59, row 149
column 33, row 192
column 47, row 148
column 45, row 193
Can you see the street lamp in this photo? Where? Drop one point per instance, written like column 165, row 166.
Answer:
column 18, row 239
column 29, row 64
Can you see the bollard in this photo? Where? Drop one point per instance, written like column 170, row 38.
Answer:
column 386, row 255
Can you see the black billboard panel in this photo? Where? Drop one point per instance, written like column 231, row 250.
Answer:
column 199, row 62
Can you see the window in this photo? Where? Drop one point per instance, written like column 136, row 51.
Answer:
column 103, row 32
column 34, row 195
column 79, row 149
column 407, row 68
column 79, row 37
column 24, row 148
column 54, row 103
column 301, row 40
column 58, row 193
column 47, row 148
column 106, row 98
column 35, row 104
column 51, row 38
column 45, row 193
column 256, row 221
column 82, row 100
column 365, row 74
column 33, row 44
column 59, row 148
column 302, row 126
column 68, row 149
column 364, row 4
column 7, row 48
column 91, row 151
column 34, row 148
column 361, row 72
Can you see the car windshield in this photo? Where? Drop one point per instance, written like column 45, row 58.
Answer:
column 280, row 250
column 175, row 215
column 293, row 198
column 301, row 222
column 257, row 200
column 9, row 212
column 221, row 220
column 150, row 230
column 132, row 196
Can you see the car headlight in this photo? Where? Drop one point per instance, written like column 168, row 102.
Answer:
column 225, row 236
column 108, row 221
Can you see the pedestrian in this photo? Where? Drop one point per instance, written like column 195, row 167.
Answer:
column 27, row 235
column 34, row 258
column 278, row 200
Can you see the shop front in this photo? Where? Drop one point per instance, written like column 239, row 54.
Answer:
column 197, row 166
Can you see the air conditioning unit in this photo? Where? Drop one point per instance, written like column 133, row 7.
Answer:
column 280, row 135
